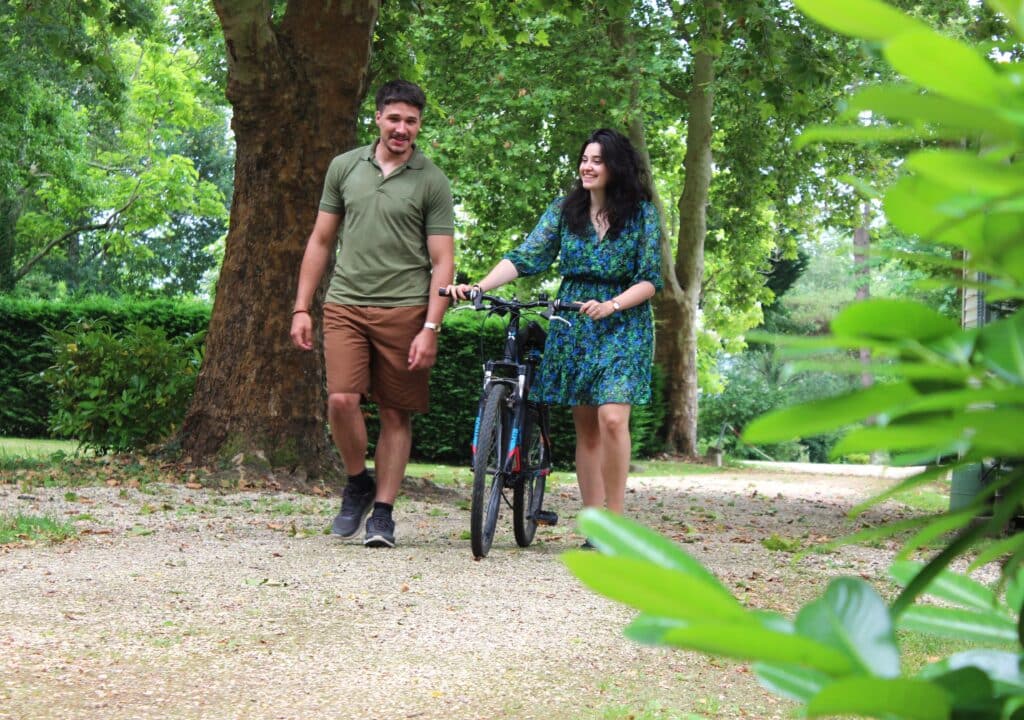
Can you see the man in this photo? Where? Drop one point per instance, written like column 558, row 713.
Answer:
column 382, row 311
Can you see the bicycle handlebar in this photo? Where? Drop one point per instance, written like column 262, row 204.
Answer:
column 478, row 299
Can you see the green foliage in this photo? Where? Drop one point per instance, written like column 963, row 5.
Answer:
column 840, row 654
column 101, row 186
column 941, row 392
column 26, row 351
column 31, row 528
column 756, row 382
column 120, row 390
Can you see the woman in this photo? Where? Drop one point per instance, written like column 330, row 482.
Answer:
column 606, row 235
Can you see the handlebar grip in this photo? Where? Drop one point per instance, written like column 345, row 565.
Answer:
column 570, row 306
column 443, row 292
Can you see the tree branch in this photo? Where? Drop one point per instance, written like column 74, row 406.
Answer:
column 107, row 224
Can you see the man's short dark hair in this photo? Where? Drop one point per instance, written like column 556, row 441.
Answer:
column 401, row 91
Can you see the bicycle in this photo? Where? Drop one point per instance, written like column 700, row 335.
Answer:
column 511, row 448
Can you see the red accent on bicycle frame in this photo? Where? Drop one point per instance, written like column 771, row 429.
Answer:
column 514, row 454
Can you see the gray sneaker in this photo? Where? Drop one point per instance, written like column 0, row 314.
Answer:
column 355, row 506
column 380, row 530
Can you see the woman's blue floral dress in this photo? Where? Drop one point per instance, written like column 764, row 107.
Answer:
column 596, row 361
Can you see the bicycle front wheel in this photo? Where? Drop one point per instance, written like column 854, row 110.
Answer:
column 488, row 477
column 528, row 496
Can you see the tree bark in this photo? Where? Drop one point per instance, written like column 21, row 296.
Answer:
column 679, row 303
column 862, row 273
column 295, row 86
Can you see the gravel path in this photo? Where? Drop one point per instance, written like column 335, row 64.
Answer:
column 190, row 603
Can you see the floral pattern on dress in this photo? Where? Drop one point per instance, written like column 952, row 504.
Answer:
column 593, row 362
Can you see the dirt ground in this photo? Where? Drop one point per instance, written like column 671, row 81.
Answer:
column 193, row 603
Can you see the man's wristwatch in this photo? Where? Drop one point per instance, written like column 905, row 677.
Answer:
column 615, row 305
column 432, row 326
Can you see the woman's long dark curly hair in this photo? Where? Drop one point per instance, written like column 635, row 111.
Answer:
column 628, row 185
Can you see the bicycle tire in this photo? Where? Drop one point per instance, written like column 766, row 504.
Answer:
column 528, row 495
column 487, row 475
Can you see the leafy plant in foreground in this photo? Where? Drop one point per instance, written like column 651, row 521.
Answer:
column 941, row 392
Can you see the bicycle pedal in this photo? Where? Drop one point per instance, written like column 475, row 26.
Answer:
column 546, row 517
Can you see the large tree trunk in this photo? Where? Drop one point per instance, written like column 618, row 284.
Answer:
column 677, row 308
column 296, row 86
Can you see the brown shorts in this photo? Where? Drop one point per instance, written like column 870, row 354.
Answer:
column 367, row 352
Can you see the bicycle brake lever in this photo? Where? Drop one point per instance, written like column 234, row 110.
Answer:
column 559, row 318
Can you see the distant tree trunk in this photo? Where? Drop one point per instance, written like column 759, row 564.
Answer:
column 678, row 305
column 8, row 220
column 862, row 275
column 623, row 41
column 295, row 85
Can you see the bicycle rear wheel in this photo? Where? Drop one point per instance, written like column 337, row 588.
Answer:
column 528, row 496
column 488, row 477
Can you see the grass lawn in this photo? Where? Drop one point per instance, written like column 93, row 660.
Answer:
column 33, row 448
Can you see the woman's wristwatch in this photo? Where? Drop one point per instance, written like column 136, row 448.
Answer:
column 615, row 305
column 432, row 326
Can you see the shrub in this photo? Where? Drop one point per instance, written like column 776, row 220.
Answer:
column 120, row 390
column 26, row 350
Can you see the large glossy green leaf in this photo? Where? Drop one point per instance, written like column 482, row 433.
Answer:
column 618, row 535
column 904, row 370
column 853, row 618
column 650, row 630
column 962, row 400
column 919, row 206
column 983, row 627
column 947, row 585
column 946, row 117
column 828, row 414
column 971, row 692
column 983, row 429
column 655, row 590
column 948, row 67
column 866, row 19
column 967, row 172
column 1001, row 345
column 1001, row 666
column 860, row 134
column 908, row 699
column 750, row 642
column 919, row 436
column 792, row 681
column 893, row 320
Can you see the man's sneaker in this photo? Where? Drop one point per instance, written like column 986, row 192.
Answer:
column 380, row 530
column 355, row 505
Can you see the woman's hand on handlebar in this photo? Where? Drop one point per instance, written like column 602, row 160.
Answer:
column 597, row 310
column 460, row 292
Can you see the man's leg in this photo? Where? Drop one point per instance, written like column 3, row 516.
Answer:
column 392, row 454
column 348, row 430
column 347, row 353
column 390, row 460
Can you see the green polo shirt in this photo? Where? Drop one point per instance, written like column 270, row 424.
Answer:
column 382, row 258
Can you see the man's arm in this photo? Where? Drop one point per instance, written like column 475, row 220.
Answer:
column 314, row 264
column 423, row 351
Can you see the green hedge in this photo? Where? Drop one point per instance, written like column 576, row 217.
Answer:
column 442, row 435
column 26, row 352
